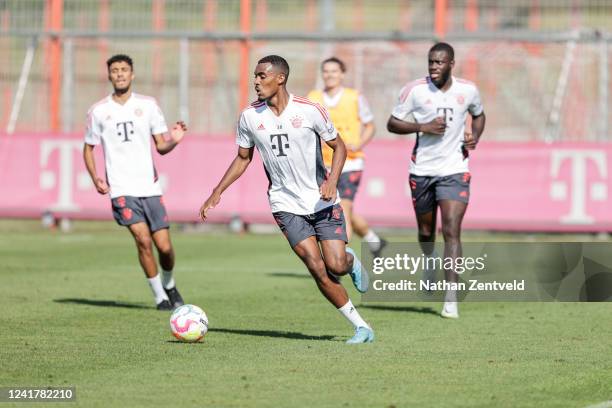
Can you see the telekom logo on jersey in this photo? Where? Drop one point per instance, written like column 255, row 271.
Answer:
column 62, row 178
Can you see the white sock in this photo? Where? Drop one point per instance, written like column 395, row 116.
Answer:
column 167, row 279
column 450, row 308
column 450, row 296
column 373, row 240
column 158, row 290
column 350, row 312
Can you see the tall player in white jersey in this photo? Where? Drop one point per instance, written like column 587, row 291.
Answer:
column 439, row 174
column 287, row 131
column 124, row 123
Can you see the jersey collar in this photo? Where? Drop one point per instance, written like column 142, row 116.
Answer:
column 126, row 102
column 453, row 81
column 289, row 101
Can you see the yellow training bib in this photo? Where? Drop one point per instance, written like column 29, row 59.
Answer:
column 345, row 116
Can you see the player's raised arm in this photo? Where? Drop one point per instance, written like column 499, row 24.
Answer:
column 233, row 172
column 163, row 145
column 329, row 187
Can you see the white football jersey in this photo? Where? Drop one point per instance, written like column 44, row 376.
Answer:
column 290, row 148
column 125, row 132
column 439, row 155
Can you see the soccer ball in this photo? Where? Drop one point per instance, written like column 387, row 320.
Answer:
column 188, row 323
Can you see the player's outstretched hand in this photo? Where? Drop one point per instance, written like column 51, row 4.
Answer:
column 436, row 126
column 212, row 202
column 101, row 186
column 178, row 131
column 328, row 191
column 470, row 141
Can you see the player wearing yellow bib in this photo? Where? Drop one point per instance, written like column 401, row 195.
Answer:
column 351, row 114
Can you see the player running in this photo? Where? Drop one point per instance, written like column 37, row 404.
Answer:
column 351, row 114
column 439, row 174
column 287, row 131
column 124, row 123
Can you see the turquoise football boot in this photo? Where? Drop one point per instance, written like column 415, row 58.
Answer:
column 358, row 274
column 362, row 335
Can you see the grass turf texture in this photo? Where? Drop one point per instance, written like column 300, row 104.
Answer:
column 76, row 311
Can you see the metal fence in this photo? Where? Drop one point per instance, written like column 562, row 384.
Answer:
column 542, row 67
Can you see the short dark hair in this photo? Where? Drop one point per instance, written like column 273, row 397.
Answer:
column 119, row 58
column 277, row 62
column 447, row 48
column 335, row 60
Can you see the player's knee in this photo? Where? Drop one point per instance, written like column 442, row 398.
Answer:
column 451, row 231
column 337, row 265
column 165, row 249
column 144, row 243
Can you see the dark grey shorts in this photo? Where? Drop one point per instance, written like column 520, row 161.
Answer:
column 326, row 224
column 427, row 191
column 348, row 183
column 129, row 210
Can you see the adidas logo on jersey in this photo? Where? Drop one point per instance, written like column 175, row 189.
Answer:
column 261, row 127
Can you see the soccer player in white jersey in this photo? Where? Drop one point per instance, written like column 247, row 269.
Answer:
column 124, row 123
column 287, row 131
column 439, row 174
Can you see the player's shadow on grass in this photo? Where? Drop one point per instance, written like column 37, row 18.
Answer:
column 272, row 333
column 102, row 303
column 289, row 275
column 409, row 309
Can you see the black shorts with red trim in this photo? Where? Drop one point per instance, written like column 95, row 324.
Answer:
column 129, row 210
column 327, row 224
column 428, row 190
column 348, row 183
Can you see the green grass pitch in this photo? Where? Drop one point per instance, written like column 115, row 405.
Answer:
column 76, row 311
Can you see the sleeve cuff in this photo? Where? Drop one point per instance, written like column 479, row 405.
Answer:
column 92, row 142
column 478, row 112
column 159, row 130
column 244, row 145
